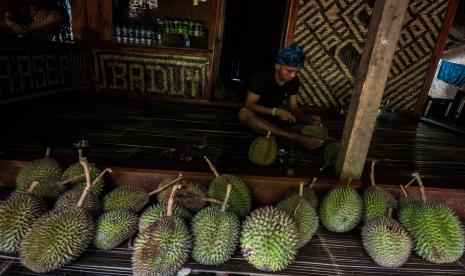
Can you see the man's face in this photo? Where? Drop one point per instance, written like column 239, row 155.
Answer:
column 287, row 73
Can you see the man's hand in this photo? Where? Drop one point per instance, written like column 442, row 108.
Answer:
column 286, row 116
column 40, row 15
column 18, row 29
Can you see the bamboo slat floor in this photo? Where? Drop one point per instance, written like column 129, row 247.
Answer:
column 140, row 133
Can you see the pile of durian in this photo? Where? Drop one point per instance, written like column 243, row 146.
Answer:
column 208, row 223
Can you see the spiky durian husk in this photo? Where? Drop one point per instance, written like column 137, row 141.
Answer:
column 308, row 194
column 188, row 196
column 304, row 216
column 387, row 242
column 162, row 248
column 70, row 199
column 129, row 198
column 47, row 172
column 376, row 203
column 155, row 212
column 269, row 239
column 240, row 202
column 114, row 227
column 215, row 234
column 17, row 214
column 437, row 233
column 77, row 169
column 263, row 151
column 407, row 212
column 341, row 209
column 315, row 131
column 56, row 239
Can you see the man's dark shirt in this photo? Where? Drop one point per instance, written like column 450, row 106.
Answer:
column 263, row 83
column 24, row 10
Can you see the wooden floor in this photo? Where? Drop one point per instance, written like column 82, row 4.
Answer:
column 148, row 134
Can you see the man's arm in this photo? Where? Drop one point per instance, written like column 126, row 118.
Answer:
column 14, row 26
column 300, row 115
column 49, row 19
column 252, row 104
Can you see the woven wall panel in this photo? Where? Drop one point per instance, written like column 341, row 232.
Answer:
column 333, row 35
column 140, row 73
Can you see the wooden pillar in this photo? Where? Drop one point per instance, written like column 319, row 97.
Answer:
column 372, row 74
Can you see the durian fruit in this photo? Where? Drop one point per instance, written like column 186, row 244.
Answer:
column 70, row 198
column 263, row 150
column 114, row 227
column 269, row 239
column 308, row 194
column 387, row 242
column 46, row 171
column 155, row 212
column 76, row 170
column 17, row 214
column 216, row 233
column 164, row 246
column 191, row 196
column 58, row 237
column 315, row 131
column 330, row 153
column 130, row 198
column 341, row 209
column 240, row 201
column 376, row 201
column 304, row 215
column 407, row 214
column 437, row 232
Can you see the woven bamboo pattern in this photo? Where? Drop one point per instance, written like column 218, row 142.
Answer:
column 147, row 73
column 333, row 35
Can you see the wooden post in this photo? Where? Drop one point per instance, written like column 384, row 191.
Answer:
column 372, row 74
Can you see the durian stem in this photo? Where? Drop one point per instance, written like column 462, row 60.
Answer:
column 420, row 184
column 390, row 212
column 71, row 179
column 372, row 173
column 403, row 190
column 211, row 200
column 47, row 152
column 268, row 134
column 162, row 188
column 88, row 187
column 348, row 182
column 313, row 182
column 32, row 187
column 169, row 212
column 212, row 167
column 410, row 182
column 226, row 196
column 324, row 167
column 107, row 170
column 301, row 189
column 80, row 154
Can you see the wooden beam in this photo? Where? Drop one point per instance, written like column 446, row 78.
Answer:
column 372, row 74
column 292, row 8
column 433, row 65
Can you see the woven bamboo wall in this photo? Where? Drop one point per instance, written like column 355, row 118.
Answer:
column 147, row 73
column 333, row 34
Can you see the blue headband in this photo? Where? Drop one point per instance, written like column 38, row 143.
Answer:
column 292, row 55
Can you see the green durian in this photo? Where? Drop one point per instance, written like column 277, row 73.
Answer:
column 163, row 247
column 47, row 172
column 341, row 209
column 304, row 216
column 70, row 198
column 56, row 239
column 191, row 196
column 114, row 227
column 269, row 239
column 263, row 150
column 387, row 242
column 130, row 198
column 330, row 153
column 240, row 201
column 407, row 212
column 308, row 194
column 315, row 131
column 155, row 212
column 376, row 201
column 216, row 233
column 17, row 214
column 76, row 170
